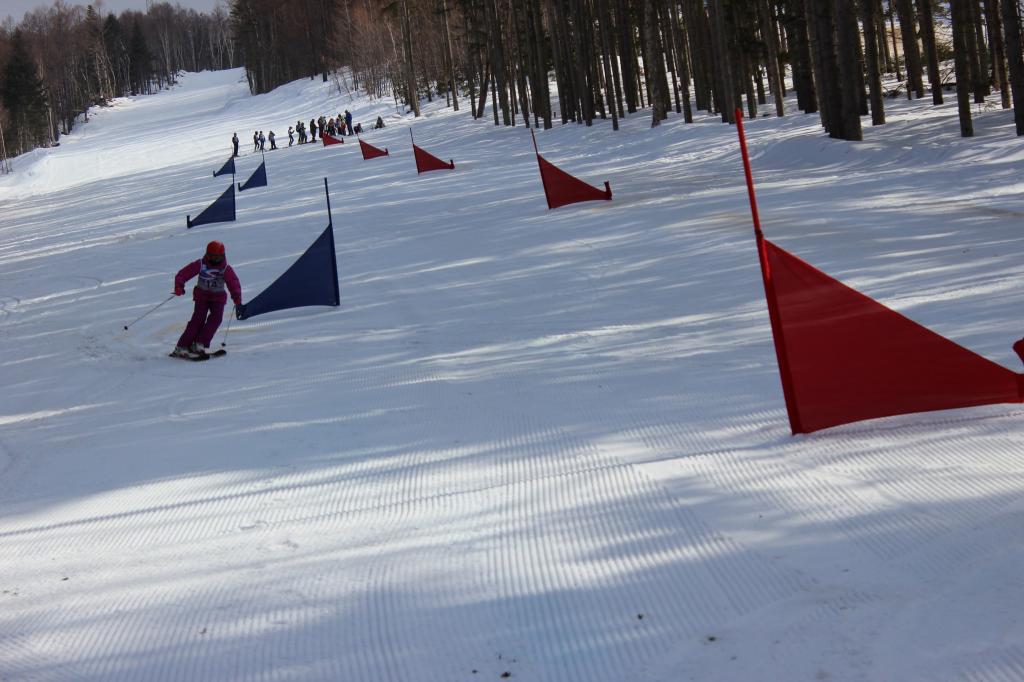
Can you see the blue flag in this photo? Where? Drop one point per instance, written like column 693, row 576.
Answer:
column 258, row 178
column 220, row 211
column 311, row 280
column 227, row 169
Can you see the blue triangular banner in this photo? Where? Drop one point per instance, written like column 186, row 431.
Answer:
column 311, row 280
column 227, row 169
column 257, row 179
column 220, row 211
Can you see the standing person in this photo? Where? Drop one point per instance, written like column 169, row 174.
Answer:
column 291, row 136
column 263, row 142
column 312, row 130
column 348, row 121
column 234, row 144
column 273, row 145
column 216, row 280
column 256, row 141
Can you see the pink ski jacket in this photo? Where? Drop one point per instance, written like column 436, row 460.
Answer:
column 215, row 281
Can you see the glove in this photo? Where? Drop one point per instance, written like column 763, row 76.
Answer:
column 237, row 301
column 239, row 312
column 179, row 290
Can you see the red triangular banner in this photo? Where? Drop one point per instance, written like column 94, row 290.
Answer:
column 328, row 140
column 850, row 358
column 371, row 152
column 560, row 188
column 425, row 161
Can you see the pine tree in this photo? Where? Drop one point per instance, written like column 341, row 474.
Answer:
column 24, row 98
column 141, row 61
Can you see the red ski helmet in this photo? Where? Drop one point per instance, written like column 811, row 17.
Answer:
column 214, row 249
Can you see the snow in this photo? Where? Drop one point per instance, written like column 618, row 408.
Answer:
column 547, row 443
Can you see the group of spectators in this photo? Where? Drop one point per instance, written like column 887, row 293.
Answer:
column 338, row 125
column 259, row 141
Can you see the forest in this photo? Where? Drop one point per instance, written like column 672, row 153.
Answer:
column 534, row 62
column 60, row 60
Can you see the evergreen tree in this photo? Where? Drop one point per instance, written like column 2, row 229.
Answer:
column 117, row 51
column 141, row 60
column 24, row 98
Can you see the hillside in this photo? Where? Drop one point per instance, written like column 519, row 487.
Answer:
column 551, row 444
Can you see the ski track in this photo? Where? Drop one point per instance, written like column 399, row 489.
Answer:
column 1003, row 664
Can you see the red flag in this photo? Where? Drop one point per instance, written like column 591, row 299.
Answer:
column 425, row 161
column 371, row 152
column 851, row 358
column 560, row 188
column 329, row 140
column 845, row 357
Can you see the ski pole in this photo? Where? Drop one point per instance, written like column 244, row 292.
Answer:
column 224, row 339
column 148, row 312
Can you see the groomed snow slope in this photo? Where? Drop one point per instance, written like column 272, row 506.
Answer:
column 544, row 443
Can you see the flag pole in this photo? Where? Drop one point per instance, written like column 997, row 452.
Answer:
column 334, row 253
column 543, row 180
column 328, row 195
column 788, row 389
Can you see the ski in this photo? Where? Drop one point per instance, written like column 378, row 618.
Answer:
column 200, row 358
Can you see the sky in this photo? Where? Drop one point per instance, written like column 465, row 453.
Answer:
column 18, row 8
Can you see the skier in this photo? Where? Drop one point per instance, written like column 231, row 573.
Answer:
column 312, row 130
column 291, row 136
column 273, row 145
column 348, row 121
column 263, row 141
column 256, row 141
column 209, row 296
column 234, row 143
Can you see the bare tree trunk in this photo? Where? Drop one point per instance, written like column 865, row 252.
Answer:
column 627, row 55
column 770, row 35
column 998, row 50
column 611, row 96
column 410, row 66
column 820, row 27
column 800, row 56
column 452, row 85
column 961, row 26
column 1012, row 31
column 883, row 38
column 725, row 88
column 494, row 97
column 982, row 85
column 978, row 73
column 682, row 61
column 911, row 53
column 869, row 16
column 931, row 52
column 892, row 32
column 850, row 68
